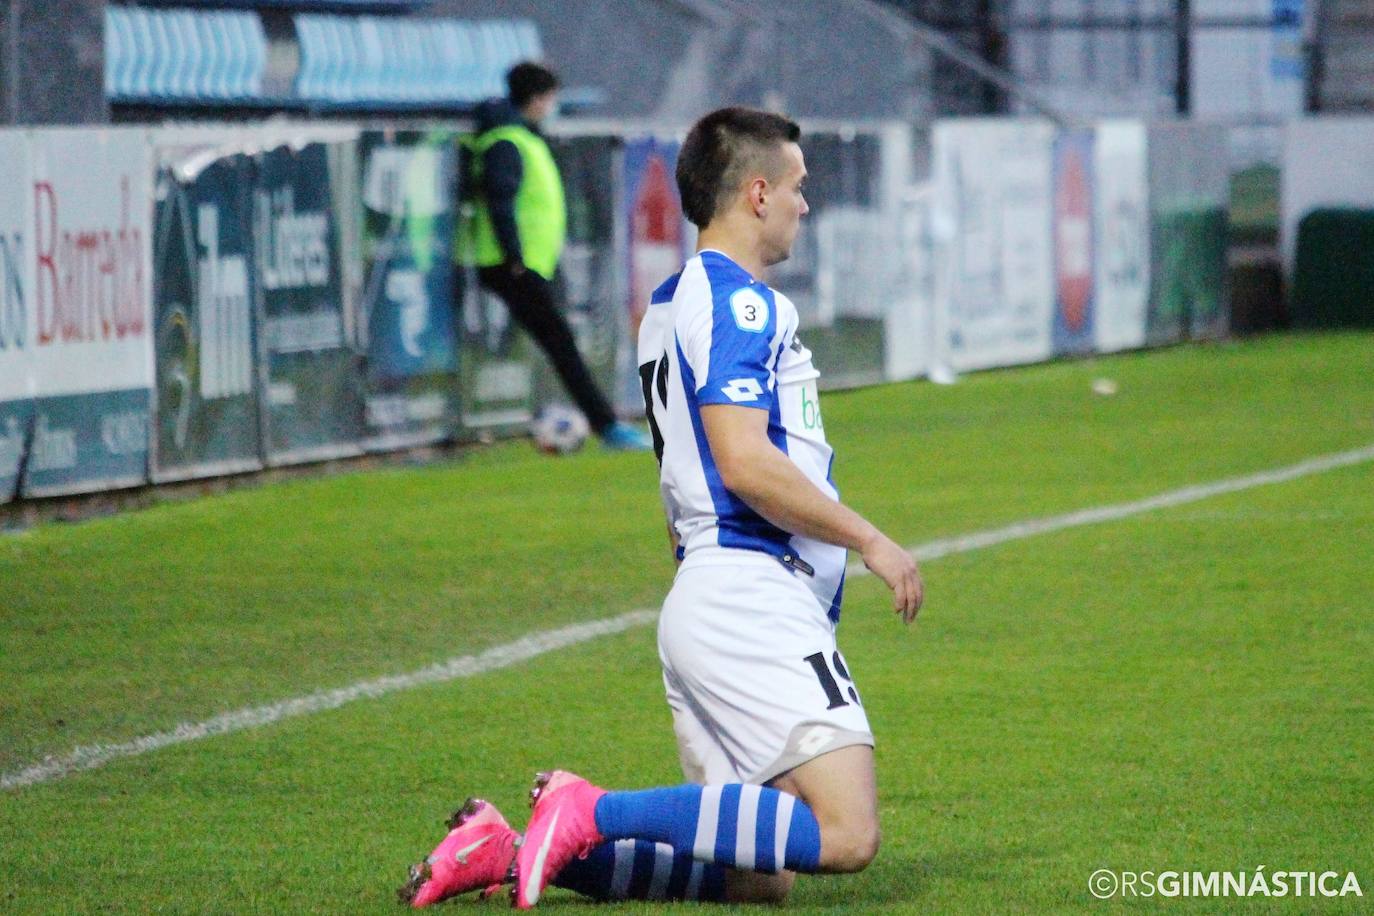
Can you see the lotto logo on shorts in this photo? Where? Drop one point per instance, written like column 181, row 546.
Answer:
column 742, row 389
column 815, row 740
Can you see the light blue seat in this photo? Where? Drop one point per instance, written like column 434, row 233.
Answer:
column 183, row 55
column 221, row 56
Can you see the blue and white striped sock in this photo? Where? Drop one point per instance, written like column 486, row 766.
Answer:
column 642, row 870
column 739, row 826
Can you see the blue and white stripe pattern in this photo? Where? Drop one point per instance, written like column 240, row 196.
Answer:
column 645, row 870
column 735, row 825
column 642, row 870
column 745, row 826
column 713, row 335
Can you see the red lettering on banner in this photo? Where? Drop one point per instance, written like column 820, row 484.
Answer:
column 47, row 270
column 90, row 282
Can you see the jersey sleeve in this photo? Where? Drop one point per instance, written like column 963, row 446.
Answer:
column 732, row 348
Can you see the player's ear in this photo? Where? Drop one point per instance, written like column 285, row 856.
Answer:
column 758, row 196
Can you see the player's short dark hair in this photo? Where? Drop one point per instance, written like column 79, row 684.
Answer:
column 526, row 80
column 720, row 149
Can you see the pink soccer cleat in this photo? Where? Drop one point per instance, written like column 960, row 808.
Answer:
column 562, row 828
column 478, row 853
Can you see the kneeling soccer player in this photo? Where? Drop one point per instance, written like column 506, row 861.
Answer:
column 772, row 735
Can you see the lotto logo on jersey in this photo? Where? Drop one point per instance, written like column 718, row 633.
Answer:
column 750, row 310
column 742, row 389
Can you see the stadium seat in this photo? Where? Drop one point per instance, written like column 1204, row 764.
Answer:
column 183, row 55
column 220, row 56
column 382, row 59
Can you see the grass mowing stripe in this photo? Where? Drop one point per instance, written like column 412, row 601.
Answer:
column 979, row 539
column 502, row 656
column 536, row 644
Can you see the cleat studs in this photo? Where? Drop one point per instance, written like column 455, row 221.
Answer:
column 468, row 810
column 541, row 782
column 419, row 874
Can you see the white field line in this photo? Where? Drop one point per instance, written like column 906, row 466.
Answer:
column 980, row 539
column 503, row 656
column 91, row 756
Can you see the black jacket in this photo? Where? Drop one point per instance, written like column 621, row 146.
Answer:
column 502, row 172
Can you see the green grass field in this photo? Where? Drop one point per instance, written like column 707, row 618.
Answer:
column 1191, row 688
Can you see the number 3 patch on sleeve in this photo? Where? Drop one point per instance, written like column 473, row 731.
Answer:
column 750, row 310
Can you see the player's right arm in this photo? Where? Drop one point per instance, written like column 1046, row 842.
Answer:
column 756, row 471
column 729, row 345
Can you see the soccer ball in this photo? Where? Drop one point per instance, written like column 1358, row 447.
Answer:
column 559, row 429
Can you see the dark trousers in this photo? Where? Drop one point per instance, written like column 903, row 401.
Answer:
column 534, row 306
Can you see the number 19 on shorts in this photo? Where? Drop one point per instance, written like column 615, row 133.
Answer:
column 829, row 684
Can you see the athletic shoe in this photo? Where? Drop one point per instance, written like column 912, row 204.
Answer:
column 622, row 437
column 478, row 853
column 562, row 828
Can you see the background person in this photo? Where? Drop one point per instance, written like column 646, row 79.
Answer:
column 516, row 231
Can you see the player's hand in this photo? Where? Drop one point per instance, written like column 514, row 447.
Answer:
column 897, row 568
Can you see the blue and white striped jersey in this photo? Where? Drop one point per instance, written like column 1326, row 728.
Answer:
column 715, row 335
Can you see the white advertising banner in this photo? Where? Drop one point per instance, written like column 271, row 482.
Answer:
column 89, row 246
column 855, row 261
column 91, row 203
column 16, row 311
column 907, row 330
column 1123, row 230
column 994, row 278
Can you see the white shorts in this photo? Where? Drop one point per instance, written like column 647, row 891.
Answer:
column 755, row 681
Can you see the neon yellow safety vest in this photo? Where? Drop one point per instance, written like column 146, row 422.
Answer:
column 541, row 216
